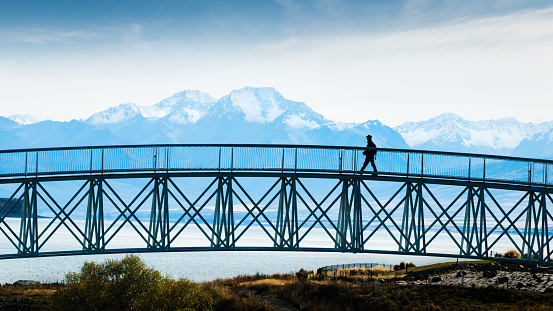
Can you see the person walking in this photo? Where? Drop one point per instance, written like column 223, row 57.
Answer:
column 370, row 155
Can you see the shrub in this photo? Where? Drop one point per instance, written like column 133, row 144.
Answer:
column 402, row 265
column 127, row 284
column 512, row 254
column 303, row 274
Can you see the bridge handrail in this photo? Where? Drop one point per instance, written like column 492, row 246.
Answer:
column 308, row 158
column 476, row 155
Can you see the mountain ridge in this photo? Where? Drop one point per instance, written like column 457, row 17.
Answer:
column 263, row 115
column 450, row 132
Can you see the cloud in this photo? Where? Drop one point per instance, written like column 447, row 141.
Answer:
column 41, row 35
column 36, row 35
column 469, row 66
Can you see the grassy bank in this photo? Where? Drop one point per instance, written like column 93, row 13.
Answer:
column 342, row 289
column 366, row 289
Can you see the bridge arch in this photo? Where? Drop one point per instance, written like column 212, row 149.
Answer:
column 272, row 197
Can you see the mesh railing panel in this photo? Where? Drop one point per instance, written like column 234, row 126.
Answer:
column 272, row 158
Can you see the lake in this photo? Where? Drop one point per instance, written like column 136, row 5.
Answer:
column 199, row 266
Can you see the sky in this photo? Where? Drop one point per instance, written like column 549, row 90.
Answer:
column 351, row 61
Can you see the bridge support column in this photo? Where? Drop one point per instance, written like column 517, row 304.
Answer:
column 94, row 222
column 223, row 218
column 28, row 231
column 348, row 225
column 159, row 217
column 473, row 240
column 412, row 237
column 286, row 234
column 536, row 235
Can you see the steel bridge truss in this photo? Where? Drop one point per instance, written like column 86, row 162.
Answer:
column 276, row 211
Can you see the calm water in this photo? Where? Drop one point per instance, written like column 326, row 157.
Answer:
column 197, row 266
column 205, row 266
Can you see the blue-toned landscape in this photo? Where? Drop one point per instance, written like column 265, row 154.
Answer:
column 276, row 155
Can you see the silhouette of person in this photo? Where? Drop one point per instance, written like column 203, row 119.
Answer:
column 370, row 155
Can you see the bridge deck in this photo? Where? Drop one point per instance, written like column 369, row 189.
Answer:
column 354, row 213
column 272, row 158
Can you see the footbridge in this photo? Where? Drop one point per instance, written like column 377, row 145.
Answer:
column 158, row 198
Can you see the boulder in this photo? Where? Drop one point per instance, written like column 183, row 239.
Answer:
column 502, row 280
column 461, row 274
column 489, row 273
column 542, row 269
column 419, row 276
column 511, row 266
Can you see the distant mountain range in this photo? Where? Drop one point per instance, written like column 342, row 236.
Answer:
column 450, row 132
column 263, row 115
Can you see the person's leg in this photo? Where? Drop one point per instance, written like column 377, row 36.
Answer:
column 367, row 160
column 373, row 165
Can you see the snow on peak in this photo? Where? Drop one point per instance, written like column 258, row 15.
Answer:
column 24, row 119
column 300, row 121
column 185, row 116
column 262, row 105
column 502, row 134
column 115, row 114
column 194, row 103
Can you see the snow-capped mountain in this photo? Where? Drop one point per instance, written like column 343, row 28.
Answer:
column 252, row 115
column 118, row 114
column 247, row 115
column 263, row 115
column 539, row 146
column 266, row 105
column 185, row 107
column 24, row 119
column 450, row 132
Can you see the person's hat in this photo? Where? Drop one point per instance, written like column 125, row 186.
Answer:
column 369, row 136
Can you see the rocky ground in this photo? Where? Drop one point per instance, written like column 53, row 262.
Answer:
column 506, row 275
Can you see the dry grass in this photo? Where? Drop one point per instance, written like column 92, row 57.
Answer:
column 39, row 292
column 377, row 270
column 269, row 282
column 27, row 297
column 345, row 292
column 445, row 265
column 381, row 269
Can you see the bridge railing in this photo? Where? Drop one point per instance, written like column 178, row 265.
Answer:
column 289, row 158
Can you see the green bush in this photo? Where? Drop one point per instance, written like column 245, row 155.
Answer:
column 127, row 284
